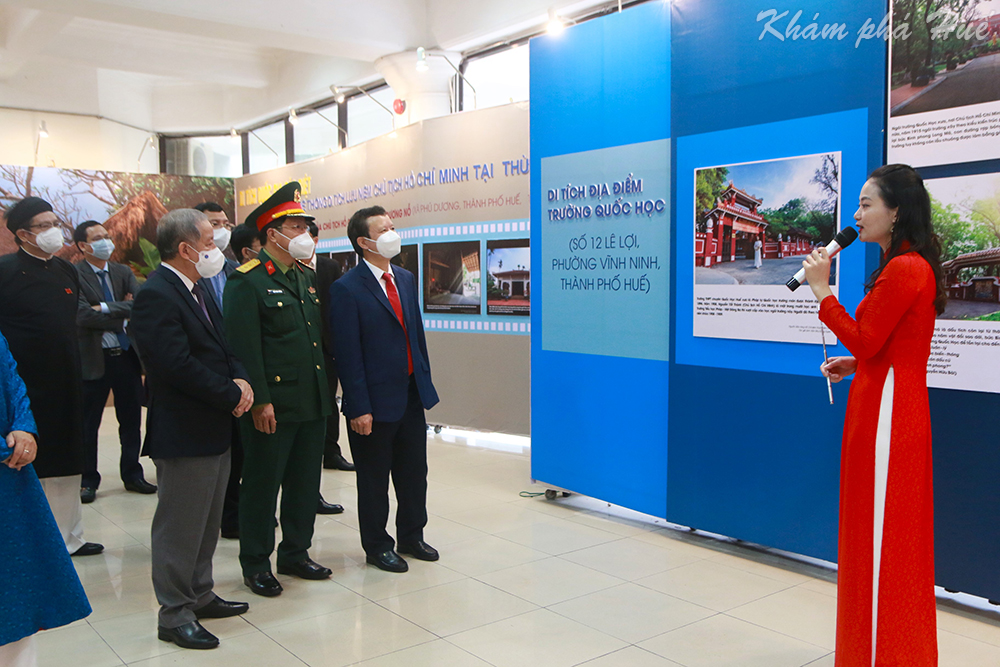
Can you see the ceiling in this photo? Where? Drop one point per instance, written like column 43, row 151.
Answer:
column 208, row 65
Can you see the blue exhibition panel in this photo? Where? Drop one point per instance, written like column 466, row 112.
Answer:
column 600, row 118
column 754, row 444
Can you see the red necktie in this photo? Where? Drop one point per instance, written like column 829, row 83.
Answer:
column 397, row 307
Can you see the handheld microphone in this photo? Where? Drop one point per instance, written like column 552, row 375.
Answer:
column 840, row 241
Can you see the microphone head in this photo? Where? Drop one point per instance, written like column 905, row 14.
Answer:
column 846, row 237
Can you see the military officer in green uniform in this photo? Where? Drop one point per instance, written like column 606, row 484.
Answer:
column 272, row 318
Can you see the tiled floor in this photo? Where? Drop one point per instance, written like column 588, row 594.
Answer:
column 521, row 581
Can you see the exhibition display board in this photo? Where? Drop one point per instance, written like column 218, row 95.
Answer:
column 673, row 371
column 600, row 235
column 788, row 126
column 457, row 190
column 944, row 118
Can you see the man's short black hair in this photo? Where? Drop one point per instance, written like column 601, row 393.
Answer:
column 357, row 227
column 209, row 207
column 243, row 237
column 80, row 233
column 313, row 230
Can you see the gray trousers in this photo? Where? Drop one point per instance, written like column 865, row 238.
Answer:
column 185, row 531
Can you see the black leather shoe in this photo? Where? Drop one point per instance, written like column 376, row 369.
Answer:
column 89, row 549
column 88, row 495
column 306, row 569
column 338, row 462
column 388, row 561
column 328, row 508
column 419, row 550
column 230, row 533
column 219, row 608
column 263, row 583
column 189, row 635
column 140, row 486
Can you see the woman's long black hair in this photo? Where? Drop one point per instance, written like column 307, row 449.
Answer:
column 903, row 189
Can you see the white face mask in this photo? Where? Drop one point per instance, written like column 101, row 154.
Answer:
column 209, row 263
column 388, row 244
column 301, row 247
column 102, row 249
column 50, row 240
column 221, row 236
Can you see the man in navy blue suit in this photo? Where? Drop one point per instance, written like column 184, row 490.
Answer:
column 378, row 341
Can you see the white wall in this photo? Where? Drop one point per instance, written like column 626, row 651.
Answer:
column 74, row 142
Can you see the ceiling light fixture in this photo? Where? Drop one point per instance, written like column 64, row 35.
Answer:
column 234, row 134
column 556, row 24
column 421, row 60
column 339, row 93
column 293, row 117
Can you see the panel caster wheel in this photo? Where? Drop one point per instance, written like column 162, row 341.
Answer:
column 437, row 429
column 551, row 494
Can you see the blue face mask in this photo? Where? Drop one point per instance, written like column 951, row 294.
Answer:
column 102, row 249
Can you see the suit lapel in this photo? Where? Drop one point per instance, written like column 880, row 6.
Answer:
column 188, row 298
column 88, row 276
column 403, row 287
column 372, row 284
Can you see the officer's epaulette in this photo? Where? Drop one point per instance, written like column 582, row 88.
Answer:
column 243, row 268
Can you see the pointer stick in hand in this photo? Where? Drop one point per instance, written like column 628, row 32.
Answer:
column 829, row 385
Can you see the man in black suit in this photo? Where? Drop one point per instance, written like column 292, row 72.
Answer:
column 196, row 388
column 378, row 339
column 222, row 232
column 327, row 271
column 109, row 361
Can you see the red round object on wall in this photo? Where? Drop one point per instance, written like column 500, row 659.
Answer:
column 399, row 106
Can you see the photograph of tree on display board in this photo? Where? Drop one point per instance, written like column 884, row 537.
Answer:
column 965, row 351
column 128, row 205
column 944, row 64
column 945, row 54
column 966, row 213
column 754, row 222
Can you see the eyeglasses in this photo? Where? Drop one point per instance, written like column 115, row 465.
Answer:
column 42, row 227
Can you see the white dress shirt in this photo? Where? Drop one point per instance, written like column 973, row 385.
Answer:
column 377, row 272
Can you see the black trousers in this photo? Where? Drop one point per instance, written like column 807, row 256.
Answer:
column 332, row 447
column 231, row 506
column 123, row 376
column 398, row 449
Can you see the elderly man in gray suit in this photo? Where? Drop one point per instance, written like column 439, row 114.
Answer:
column 109, row 361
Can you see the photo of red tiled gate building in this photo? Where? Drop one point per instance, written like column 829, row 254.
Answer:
column 728, row 232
